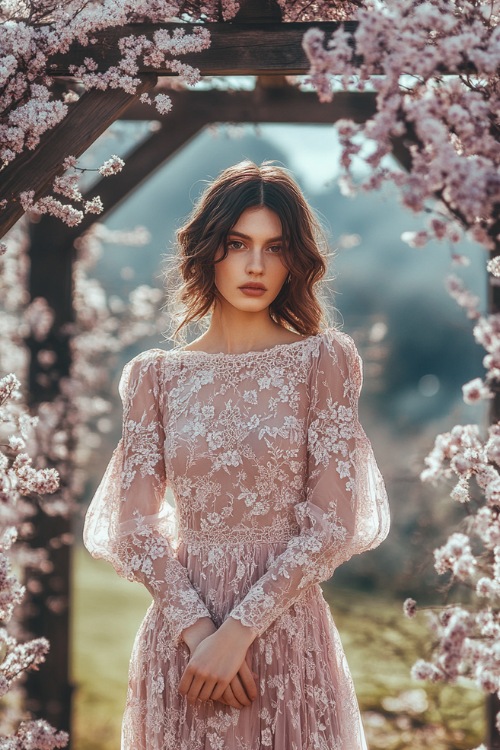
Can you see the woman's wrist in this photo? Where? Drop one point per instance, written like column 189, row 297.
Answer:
column 193, row 634
column 234, row 629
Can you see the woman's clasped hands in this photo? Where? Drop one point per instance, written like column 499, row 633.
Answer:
column 219, row 668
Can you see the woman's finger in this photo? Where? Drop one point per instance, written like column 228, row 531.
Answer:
column 249, row 685
column 231, row 698
column 194, row 690
column 227, row 695
column 185, row 681
column 239, row 691
column 206, row 691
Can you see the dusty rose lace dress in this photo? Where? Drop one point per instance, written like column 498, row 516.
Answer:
column 275, row 485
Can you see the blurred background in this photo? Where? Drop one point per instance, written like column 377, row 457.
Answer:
column 418, row 350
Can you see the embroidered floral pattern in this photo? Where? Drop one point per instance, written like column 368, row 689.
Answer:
column 274, row 485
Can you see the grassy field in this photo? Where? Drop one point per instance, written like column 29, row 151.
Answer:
column 381, row 645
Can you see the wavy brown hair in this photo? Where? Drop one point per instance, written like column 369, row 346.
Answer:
column 298, row 305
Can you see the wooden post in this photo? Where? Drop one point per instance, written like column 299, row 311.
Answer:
column 47, row 614
column 258, row 11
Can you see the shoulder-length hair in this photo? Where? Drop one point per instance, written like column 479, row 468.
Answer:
column 299, row 305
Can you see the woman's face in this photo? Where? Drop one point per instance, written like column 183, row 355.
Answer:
column 255, row 255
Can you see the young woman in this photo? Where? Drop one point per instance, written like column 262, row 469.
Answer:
column 254, row 427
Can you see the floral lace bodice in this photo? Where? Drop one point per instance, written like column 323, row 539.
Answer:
column 256, row 447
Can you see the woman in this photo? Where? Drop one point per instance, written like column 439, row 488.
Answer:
column 254, row 427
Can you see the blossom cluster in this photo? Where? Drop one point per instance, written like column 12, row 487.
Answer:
column 486, row 332
column 33, row 32
column 35, row 735
column 468, row 646
column 67, row 185
column 468, row 641
column 19, row 482
column 450, row 123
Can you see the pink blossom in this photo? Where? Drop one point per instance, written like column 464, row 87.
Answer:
column 485, row 587
column 112, row 166
column 40, row 317
column 475, row 390
column 410, row 607
column 423, row 670
column 39, row 735
column 456, row 556
column 16, row 443
column 94, row 206
column 163, row 103
column 416, row 239
column 8, row 384
column 493, row 266
column 460, row 492
column 456, row 289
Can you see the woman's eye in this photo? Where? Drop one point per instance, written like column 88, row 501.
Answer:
column 275, row 248
column 235, row 244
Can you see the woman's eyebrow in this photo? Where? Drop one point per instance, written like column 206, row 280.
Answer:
column 246, row 237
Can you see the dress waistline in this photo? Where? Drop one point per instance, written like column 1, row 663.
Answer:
column 278, row 532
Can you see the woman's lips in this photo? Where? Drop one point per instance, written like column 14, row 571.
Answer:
column 253, row 291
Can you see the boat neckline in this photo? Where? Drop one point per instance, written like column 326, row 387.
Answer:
column 283, row 345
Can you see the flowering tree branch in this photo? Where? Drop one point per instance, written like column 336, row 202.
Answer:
column 20, row 485
column 452, row 128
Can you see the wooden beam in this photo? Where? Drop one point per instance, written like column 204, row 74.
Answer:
column 280, row 104
column 86, row 120
column 236, row 48
column 193, row 111
column 249, row 48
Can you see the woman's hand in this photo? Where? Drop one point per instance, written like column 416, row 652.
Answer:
column 219, row 668
column 244, row 680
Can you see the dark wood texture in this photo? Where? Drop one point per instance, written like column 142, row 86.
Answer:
column 50, row 689
column 239, row 48
column 245, row 48
column 257, row 11
column 263, row 104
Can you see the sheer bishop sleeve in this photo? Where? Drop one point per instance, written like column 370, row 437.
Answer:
column 346, row 510
column 129, row 522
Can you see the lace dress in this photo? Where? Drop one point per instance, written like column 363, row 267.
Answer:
column 274, row 484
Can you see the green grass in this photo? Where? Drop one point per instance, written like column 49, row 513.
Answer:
column 380, row 644
column 107, row 611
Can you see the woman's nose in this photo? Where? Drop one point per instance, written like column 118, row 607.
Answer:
column 256, row 262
